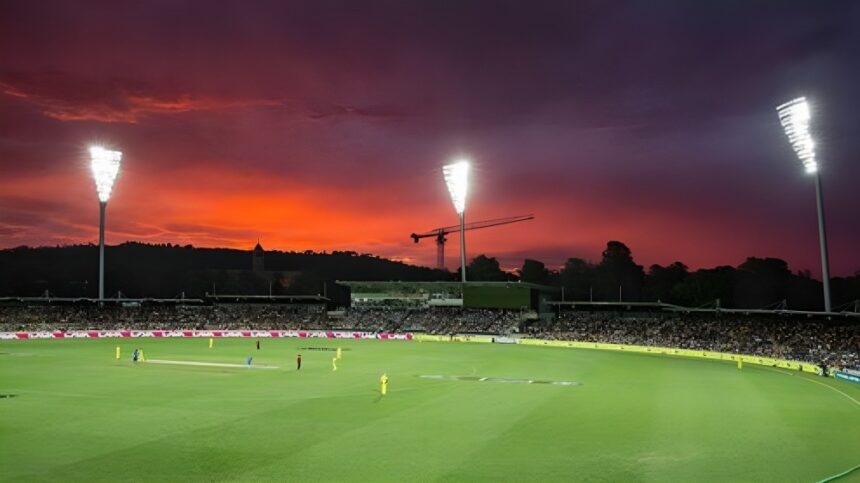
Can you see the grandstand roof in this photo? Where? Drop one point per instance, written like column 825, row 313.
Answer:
column 267, row 298
column 85, row 300
column 351, row 283
column 662, row 306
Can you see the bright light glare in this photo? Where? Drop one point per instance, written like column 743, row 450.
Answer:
column 794, row 117
column 457, row 179
column 105, row 165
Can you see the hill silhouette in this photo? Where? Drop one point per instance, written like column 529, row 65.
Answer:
column 165, row 270
column 141, row 270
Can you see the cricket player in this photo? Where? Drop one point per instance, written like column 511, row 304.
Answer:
column 383, row 384
column 338, row 353
column 248, row 361
column 334, row 363
column 258, row 344
column 298, row 362
column 135, row 355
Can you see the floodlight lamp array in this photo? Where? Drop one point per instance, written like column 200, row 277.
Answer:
column 457, row 178
column 105, row 165
column 794, row 117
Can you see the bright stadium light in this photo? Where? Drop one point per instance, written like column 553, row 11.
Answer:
column 795, row 116
column 105, row 165
column 457, row 178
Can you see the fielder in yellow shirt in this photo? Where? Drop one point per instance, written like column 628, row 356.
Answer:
column 383, row 384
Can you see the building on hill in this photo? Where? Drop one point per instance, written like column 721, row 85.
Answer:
column 252, row 281
column 258, row 258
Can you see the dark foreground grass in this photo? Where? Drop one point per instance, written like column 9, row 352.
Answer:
column 79, row 414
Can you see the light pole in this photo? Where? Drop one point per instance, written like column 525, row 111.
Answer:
column 457, row 178
column 794, row 117
column 105, row 165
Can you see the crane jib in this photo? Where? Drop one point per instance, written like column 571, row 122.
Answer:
column 439, row 233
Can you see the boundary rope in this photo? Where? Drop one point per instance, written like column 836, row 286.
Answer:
column 840, row 475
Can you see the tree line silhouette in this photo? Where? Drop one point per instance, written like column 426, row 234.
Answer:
column 166, row 271
column 755, row 283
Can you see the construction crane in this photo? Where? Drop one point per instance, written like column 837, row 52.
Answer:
column 439, row 233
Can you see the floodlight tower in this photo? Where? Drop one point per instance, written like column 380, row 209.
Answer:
column 457, row 178
column 105, row 165
column 794, row 117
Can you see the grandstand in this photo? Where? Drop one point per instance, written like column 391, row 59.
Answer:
column 618, row 377
column 829, row 340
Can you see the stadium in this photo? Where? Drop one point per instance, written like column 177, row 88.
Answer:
column 589, row 391
column 534, row 137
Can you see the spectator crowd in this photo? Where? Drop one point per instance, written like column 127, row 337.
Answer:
column 37, row 318
column 835, row 343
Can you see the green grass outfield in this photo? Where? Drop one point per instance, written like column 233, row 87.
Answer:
column 79, row 414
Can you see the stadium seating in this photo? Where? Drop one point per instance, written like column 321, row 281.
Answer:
column 834, row 343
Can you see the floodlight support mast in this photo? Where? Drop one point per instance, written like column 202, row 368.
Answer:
column 102, row 206
column 463, row 246
column 105, row 165
column 822, row 241
column 457, row 179
column 795, row 116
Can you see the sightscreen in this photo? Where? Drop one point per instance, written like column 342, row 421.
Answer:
column 510, row 296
